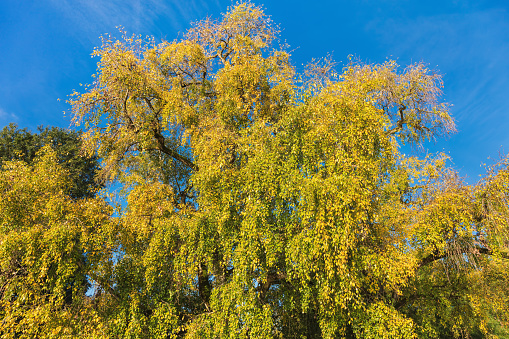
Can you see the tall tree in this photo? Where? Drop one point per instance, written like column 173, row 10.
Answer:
column 265, row 203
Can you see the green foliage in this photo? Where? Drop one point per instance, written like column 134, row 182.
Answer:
column 260, row 203
column 23, row 145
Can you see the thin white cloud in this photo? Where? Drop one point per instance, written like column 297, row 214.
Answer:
column 470, row 48
column 137, row 16
column 6, row 117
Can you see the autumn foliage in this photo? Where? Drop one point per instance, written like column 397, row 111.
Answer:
column 257, row 202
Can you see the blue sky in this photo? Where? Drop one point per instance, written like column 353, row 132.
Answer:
column 46, row 47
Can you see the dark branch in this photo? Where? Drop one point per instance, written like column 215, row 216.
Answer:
column 272, row 279
column 437, row 256
column 175, row 155
column 130, row 122
column 400, row 122
column 204, row 286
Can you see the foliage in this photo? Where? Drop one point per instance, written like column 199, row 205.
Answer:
column 260, row 202
column 22, row 144
column 43, row 236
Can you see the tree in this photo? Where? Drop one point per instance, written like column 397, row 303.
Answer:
column 43, row 273
column 265, row 203
column 21, row 144
column 43, row 238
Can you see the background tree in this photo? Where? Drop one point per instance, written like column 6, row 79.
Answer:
column 23, row 145
column 28, row 218
column 49, row 246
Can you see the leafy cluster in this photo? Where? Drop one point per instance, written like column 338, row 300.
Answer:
column 49, row 246
column 21, row 144
column 260, row 203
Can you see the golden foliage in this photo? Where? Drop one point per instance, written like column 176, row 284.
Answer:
column 260, row 203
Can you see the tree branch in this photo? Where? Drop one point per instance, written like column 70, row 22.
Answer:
column 130, row 122
column 399, row 123
column 204, row 287
column 272, row 279
column 175, row 155
column 477, row 249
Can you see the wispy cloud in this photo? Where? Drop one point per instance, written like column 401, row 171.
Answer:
column 470, row 48
column 6, row 117
column 137, row 16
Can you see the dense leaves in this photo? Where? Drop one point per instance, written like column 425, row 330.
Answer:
column 21, row 144
column 49, row 245
column 259, row 202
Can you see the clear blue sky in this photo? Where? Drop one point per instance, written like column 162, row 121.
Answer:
column 46, row 46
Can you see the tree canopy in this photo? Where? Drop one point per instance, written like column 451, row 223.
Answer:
column 261, row 202
column 21, row 144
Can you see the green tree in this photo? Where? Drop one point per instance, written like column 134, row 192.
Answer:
column 21, row 144
column 261, row 203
